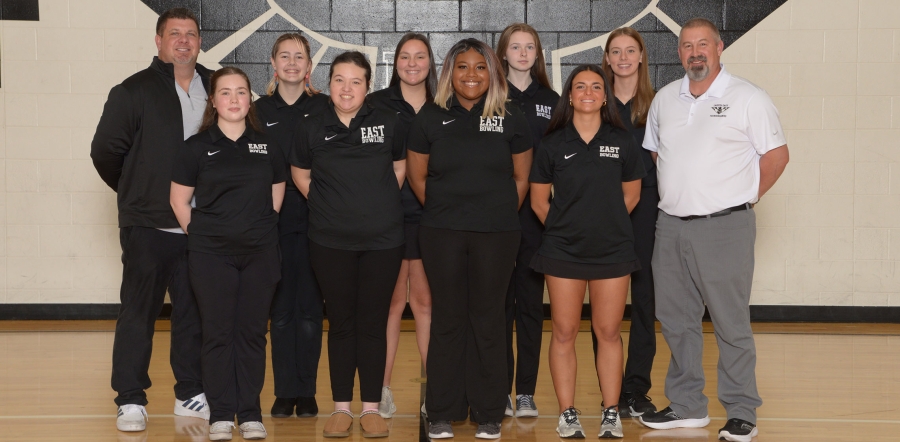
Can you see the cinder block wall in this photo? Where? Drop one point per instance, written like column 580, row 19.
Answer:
column 829, row 232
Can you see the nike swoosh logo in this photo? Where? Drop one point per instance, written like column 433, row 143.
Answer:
column 572, row 155
column 448, row 122
column 271, row 124
column 328, row 138
column 305, row 115
column 213, row 153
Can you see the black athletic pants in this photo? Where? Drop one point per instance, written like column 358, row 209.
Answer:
column 296, row 328
column 525, row 306
column 234, row 294
column 469, row 274
column 152, row 262
column 358, row 286
column 642, row 336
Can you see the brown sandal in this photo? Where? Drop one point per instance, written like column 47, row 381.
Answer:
column 338, row 425
column 373, row 425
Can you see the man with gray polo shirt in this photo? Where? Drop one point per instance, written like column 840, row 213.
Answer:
column 145, row 121
column 718, row 146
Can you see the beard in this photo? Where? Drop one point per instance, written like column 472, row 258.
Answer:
column 697, row 73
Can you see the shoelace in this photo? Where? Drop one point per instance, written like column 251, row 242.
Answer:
column 525, row 401
column 609, row 416
column 570, row 415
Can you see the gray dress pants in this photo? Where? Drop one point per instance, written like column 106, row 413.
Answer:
column 707, row 261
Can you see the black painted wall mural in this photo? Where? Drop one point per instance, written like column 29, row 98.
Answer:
column 240, row 32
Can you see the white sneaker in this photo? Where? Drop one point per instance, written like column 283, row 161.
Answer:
column 253, row 430
column 193, row 407
column 424, row 413
column 569, row 426
column 611, row 425
column 509, row 408
column 387, row 408
column 221, row 430
column 131, row 417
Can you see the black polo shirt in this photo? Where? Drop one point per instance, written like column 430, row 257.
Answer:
column 354, row 198
column 392, row 99
column 470, row 182
column 279, row 120
column 232, row 183
column 588, row 221
column 537, row 103
column 638, row 134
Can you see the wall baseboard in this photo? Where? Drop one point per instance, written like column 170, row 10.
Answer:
column 758, row 313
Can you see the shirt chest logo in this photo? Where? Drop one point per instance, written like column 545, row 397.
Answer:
column 373, row 134
column 720, row 110
column 543, row 111
column 608, row 151
column 258, row 148
column 491, row 124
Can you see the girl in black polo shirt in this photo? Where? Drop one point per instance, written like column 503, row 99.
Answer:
column 237, row 175
column 523, row 61
column 412, row 85
column 469, row 156
column 297, row 307
column 348, row 162
column 625, row 64
column 595, row 168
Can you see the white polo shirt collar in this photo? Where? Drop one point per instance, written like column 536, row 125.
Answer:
column 716, row 89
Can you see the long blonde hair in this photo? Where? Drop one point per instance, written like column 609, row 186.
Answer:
column 643, row 95
column 304, row 43
column 539, row 69
column 495, row 103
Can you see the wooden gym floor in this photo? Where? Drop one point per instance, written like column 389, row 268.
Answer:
column 819, row 382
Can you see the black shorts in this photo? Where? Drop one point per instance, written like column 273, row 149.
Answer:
column 577, row 270
column 412, row 241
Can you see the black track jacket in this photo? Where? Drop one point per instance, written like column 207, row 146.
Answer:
column 136, row 141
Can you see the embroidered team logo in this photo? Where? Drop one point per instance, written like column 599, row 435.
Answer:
column 543, row 111
column 491, row 124
column 374, row 134
column 609, row 151
column 258, row 148
column 720, row 109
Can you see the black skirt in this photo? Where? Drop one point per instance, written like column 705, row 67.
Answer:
column 581, row 271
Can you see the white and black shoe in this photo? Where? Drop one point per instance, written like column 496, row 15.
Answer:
column 193, row 407
column 509, row 407
column 611, row 425
column 569, row 426
column 488, row 430
column 738, row 430
column 634, row 404
column 440, row 430
column 525, row 406
column 666, row 419
column 131, row 417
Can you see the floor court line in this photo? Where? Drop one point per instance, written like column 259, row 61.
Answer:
column 410, row 416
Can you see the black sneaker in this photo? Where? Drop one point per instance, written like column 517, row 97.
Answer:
column 666, row 419
column 307, row 407
column 284, row 406
column 634, row 404
column 738, row 430
column 440, row 430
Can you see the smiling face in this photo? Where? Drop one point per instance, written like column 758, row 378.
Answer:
column 179, row 42
column 291, row 62
column 413, row 63
column 699, row 50
column 348, row 87
column 587, row 94
column 521, row 51
column 624, row 56
column 471, row 77
column 231, row 98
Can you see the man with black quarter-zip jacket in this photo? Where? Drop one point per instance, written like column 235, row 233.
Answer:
column 145, row 121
